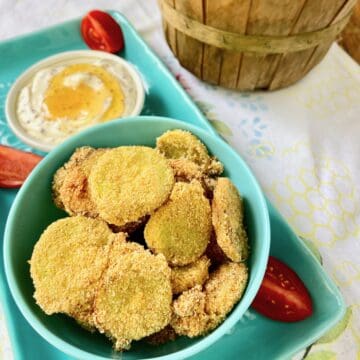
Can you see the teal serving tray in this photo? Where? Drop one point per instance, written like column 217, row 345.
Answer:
column 254, row 337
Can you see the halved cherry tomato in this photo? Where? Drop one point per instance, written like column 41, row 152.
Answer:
column 101, row 32
column 15, row 166
column 282, row 295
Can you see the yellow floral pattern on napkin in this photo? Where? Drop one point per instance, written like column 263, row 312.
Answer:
column 319, row 202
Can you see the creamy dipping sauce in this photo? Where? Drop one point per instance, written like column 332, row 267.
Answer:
column 69, row 96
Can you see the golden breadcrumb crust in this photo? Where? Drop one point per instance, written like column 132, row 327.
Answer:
column 134, row 298
column 185, row 277
column 186, row 170
column 67, row 263
column 181, row 228
column 70, row 184
column 225, row 288
column 170, row 198
column 130, row 182
column 162, row 336
column 214, row 252
column 199, row 310
column 181, row 144
column 227, row 219
column 189, row 316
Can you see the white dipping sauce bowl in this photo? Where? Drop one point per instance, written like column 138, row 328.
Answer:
column 26, row 77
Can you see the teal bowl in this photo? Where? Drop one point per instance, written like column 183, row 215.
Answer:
column 33, row 210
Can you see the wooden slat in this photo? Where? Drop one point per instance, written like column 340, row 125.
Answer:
column 350, row 37
column 190, row 51
column 267, row 68
column 167, row 36
column 321, row 50
column 273, row 17
column 266, row 17
column 293, row 66
column 170, row 32
column 211, row 65
column 222, row 66
column 231, row 63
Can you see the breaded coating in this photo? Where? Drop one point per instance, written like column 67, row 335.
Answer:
column 227, row 219
column 120, row 246
column 162, row 336
column 181, row 228
column 155, row 245
column 178, row 144
column 130, row 227
column 77, row 157
column 225, row 288
column 186, row 170
column 181, row 144
column 215, row 167
column 190, row 302
column 189, row 316
column 185, row 277
column 70, row 184
column 214, row 252
column 67, row 263
column 130, row 182
column 198, row 311
column 209, row 184
column 134, row 297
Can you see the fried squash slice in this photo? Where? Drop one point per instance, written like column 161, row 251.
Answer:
column 181, row 144
column 130, row 182
column 67, row 263
column 181, row 228
column 228, row 218
column 134, row 297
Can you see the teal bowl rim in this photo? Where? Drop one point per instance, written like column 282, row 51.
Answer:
column 203, row 343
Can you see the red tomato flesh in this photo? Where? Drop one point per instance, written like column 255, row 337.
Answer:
column 101, row 32
column 15, row 166
column 282, row 295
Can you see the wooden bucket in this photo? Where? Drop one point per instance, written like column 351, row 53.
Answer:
column 252, row 44
column 350, row 37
